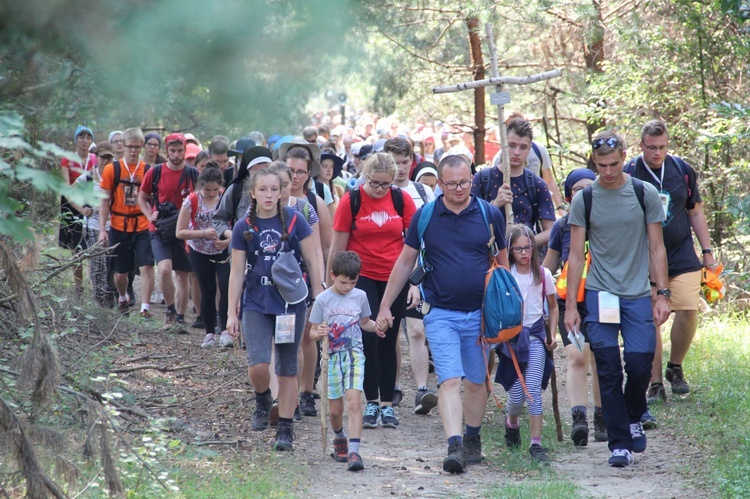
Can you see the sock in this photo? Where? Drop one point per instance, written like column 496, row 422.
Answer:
column 285, row 421
column 536, row 440
column 511, row 425
column 263, row 394
column 180, row 317
column 423, row 387
column 171, row 309
column 597, row 410
column 671, row 366
column 581, row 408
column 339, row 433
column 456, row 439
column 472, row 430
column 397, row 387
column 124, row 297
column 145, row 306
column 353, row 444
column 658, row 383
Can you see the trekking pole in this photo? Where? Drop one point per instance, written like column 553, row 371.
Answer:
column 553, row 382
column 324, row 394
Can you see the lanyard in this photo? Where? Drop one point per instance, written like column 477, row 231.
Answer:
column 661, row 181
column 131, row 174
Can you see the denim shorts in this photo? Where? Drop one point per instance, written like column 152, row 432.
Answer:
column 346, row 371
column 453, row 331
column 259, row 331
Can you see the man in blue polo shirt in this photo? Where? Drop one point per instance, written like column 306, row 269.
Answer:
column 456, row 247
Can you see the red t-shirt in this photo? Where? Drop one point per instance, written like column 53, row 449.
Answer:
column 379, row 235
column 75, row 169
column 168, row 187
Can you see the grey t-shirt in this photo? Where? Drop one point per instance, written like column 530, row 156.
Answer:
column 342, row 313
column 618, row 240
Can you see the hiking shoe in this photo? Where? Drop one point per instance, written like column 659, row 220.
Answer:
column 355, row 462
column 198, row 323
column 538, row 453
column 639, row 437
column 307, row 404
column 123, row 307
column 398, row 396
column 425, row 401
column 372, row 414
column 455, row 462
column 273, row 414
column 284, row 439
column 209, row 341
column 677, row 378
column 600, row 429
column 648, row 421
column 297, row 415
column 340, row 449
column 226, row 341
column 260, row 418
column 180, row 326
column 656, row 393
column 620, row 458
column 388, row 417
column 145, row 314
column 579, row 432
column 512, row 436
column 473, row 449
column 170, row 321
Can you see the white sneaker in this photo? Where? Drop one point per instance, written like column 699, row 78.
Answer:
column 209, row 341
column 226, row 340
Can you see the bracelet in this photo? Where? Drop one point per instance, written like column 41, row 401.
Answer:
column 707, row 251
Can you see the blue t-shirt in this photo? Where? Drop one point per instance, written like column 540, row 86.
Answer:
column 260, row 293
column 456, row 246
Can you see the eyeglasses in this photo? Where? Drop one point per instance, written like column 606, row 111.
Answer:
column 521, row 249
column 379, row 185
column 299, row 173
column 612, row 142
column 134, row 148
column 152, row 144
column 452, row 186
column 656, row 148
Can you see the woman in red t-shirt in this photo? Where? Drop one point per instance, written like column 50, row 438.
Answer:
column 71, row 226
column 376, row 234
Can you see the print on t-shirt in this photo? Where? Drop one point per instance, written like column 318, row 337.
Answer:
column 380, row 218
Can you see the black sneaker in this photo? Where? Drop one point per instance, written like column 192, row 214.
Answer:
column 425, row 401
column 539, row 453
column 512, row 436
column 284, row 438
column 600, row 429
column 307, row 404
column 579, row 432
column 656, row 393
column 621, row 458
column 648, row 421
column 455, row 462
column 372, row 414
column 398, row 396
column 677, row 378
column 198, row 323
column 473, row 449
column 181, row 326
column 261, row 420
column 639, row 437
column 297, row 415
column 388, row 417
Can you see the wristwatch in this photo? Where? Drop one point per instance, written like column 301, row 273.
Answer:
column 666, row 293
column 706, row 251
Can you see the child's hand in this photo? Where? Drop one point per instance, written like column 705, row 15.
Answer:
column 551, row 345
column 380, row 333
column 321, row 331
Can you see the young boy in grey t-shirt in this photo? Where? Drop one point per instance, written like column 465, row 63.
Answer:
column 342, row 312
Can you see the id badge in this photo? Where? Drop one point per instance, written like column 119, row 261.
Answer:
column 609, row 308
column 423, row 307
column 284, row 329
column 131, row 195
column 664, row 197
column 576, row 338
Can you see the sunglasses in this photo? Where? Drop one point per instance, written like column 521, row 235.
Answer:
column 612, row 142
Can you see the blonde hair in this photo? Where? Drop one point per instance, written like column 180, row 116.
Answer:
column 379, row 162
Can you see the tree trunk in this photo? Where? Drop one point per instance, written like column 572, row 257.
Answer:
column 593, row 54
column 477, row 70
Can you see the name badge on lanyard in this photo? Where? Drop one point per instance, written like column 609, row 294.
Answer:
column 609, row 308
column 284, row 328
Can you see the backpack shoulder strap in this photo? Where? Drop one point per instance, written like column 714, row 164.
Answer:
column 484, row 181
column 588, row 198
column 420, row 190
column 538, row 152
column 397, row 195
column 424, row 219
column 319, row 189
column 639, row 193
column 193, row 206
column 531, row 188
column 117, row 170
column 155, row 178
column 355, row 201
column 484, row 207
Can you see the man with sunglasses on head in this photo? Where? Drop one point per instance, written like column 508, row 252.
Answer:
column 678, row 189
column 622, row 219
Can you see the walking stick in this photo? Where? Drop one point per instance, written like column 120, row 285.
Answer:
column 324, row 394
column 553, row 381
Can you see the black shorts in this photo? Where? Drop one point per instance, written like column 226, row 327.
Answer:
column 413, row 314
column 70, row 235
column 134, row 250
column 174, row 251
column 561, row 323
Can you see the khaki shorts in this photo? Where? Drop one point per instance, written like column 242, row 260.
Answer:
column 686, row 291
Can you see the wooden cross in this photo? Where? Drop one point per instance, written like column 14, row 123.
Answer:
column 499, row 98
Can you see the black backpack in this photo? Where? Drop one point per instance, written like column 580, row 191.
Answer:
column 588, row 198
column 484, row 186
column 355, row 202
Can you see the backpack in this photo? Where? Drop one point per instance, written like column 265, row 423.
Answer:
column 631, row 166
column 319, row 192
column 420, row 190
column 484, row 184
column 189, row 171
column 588, row 197
column 117, row 171
column 355, row 202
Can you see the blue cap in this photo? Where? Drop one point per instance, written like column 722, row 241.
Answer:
column 82, row 129
column 282, row 140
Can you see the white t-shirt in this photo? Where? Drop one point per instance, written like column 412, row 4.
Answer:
column 411, row 189
column 533, row 304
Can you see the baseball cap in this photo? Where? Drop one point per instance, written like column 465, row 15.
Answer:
column 175, row 137
column 191, row 151
column 240, row 146
column 365, row 152
column 287, row 277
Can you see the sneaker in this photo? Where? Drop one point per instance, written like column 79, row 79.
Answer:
column 145, row 314
column 648, row 421
column 273, row 414
column 600, row 429
column 621, row 458
column 284, row 439
column 388, row 417
column 639, row 437
column 512, row 437
column 579, row 432
column 372, row 414
column 677, row 378
column 123, row 307
column 425, row 401
column 455, row 462
column 181, row 326
column 355, row 462
column 198, row 323
column 340, row 449
column 209, row 341
column 307, row 404
column 656, row 393
column 297, row 415
column 538, row 453
column 226, row 341
column 398, row 396
column 473, row 449
column 170, row 321
column 260, row 418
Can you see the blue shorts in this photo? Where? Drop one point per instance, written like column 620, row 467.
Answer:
column 636, row 325
column 450, row 332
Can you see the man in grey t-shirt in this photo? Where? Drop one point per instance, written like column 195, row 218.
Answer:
column 625, row 243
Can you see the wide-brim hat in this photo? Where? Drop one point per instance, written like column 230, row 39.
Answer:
column 287, row 277
column 338, row 163
column 314, row 153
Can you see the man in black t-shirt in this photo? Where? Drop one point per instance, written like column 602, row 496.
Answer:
column 678, row 189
